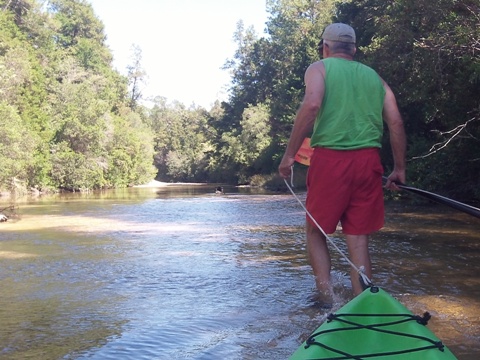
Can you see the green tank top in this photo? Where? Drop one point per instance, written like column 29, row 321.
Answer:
column 351, row 113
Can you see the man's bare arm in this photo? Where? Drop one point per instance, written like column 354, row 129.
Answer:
column 306, row 115
column 398, row 142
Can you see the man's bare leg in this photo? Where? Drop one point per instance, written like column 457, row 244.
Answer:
column 360, row 256
column 319, row 260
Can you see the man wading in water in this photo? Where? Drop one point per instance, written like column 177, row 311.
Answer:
column 343, row 109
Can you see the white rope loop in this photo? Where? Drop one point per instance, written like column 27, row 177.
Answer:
column 361, row 270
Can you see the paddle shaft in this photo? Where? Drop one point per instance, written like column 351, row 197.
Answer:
column 471, row 210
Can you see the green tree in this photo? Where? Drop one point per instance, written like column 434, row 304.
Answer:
column 183, row 141
column 130, row 159
column 136, row 76
column 245, row 147
column 16, row 145
column 62, row 97
column 76, row 21
column 74, row 171
column 23, row 82
column 81, row 34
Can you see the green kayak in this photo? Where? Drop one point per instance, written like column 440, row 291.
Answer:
column 373, row 325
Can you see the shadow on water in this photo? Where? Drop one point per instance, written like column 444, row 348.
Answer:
column 180, row 272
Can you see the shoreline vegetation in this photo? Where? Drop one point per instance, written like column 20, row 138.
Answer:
column 268, row 182
column 20, row 192
column 71, row 122
column 271, row 182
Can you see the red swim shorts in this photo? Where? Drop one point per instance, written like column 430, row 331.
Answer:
column 346, row 186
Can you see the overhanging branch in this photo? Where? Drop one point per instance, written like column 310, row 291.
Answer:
column 443, row 144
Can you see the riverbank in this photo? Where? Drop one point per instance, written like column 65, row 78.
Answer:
column 23, row 192
column 155, row 183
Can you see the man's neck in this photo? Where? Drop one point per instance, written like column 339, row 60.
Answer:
column 342, row 56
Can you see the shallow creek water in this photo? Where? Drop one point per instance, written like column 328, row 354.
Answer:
column 183, row 273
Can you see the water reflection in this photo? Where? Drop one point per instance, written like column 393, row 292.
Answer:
column 180, row 272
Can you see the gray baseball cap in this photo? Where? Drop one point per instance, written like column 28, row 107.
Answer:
column 339, row 32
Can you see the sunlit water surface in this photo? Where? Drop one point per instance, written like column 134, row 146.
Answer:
column 183, row 273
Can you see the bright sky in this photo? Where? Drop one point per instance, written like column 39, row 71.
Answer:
column 184, row 43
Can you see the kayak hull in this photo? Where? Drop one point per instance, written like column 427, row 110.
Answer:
column 373, row 325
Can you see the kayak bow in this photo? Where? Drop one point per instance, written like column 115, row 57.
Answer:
column 373, row 325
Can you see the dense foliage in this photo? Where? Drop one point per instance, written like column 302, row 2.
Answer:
column 66, row 117
column 68, row 120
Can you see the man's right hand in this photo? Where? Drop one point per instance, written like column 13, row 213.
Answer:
column 285, row 167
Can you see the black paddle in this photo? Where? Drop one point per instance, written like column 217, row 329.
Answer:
column 471, row 210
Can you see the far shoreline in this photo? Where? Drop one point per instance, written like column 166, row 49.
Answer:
column 156, row 183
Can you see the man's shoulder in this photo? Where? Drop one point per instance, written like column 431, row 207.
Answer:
column 316, row 66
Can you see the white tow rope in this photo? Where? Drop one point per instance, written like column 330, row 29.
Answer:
column 361, row 270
